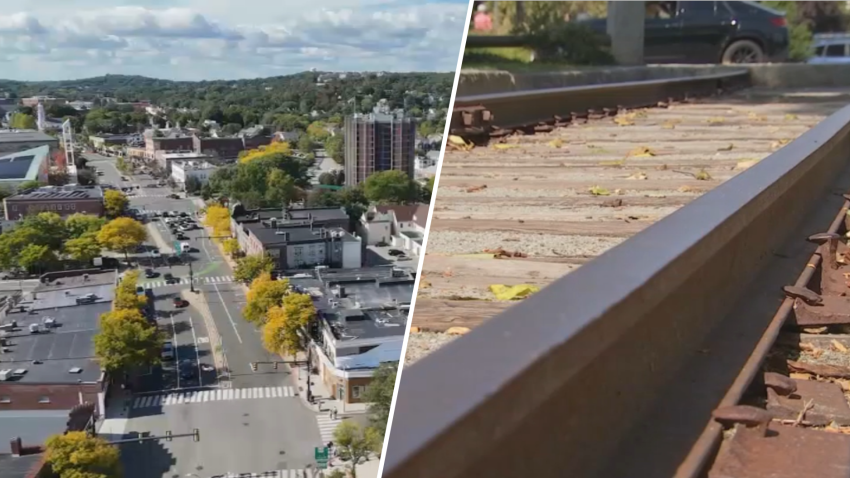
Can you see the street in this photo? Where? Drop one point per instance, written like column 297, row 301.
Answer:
column 249, row 422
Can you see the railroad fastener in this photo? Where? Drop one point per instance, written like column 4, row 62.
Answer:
column 802, row 293
column 779, row 383
column 831, row 239
column 747, row 415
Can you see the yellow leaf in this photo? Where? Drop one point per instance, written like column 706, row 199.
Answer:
column 702, row 175
column 555, row 143
column 839, row 346
column 457, row 331
column 790, row 117
column 599, row 191
column 623, row 121
column 638, row 175
column 641, row 152
column 457, row 140
column 505, row 146
column 516, row 292
column 716, row 120
column 746, row 164
column 414, row 330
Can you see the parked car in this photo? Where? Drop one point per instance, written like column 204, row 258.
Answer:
column 395, row 252
column 174, row 196
column 167, row 351
column 86, row 299
column 830, row 48
column 710, row 32
column 188, row 369
column 170, row 279
column 180, row 303
column 150, row 273
column 181, row 237
column 155, row 253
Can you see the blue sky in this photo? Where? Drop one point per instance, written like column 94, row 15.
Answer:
column 227, row 39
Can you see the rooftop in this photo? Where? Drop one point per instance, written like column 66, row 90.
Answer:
column 61, row 192
column 34, row 427
column 24, row 136
column 281, row 232
column 18, row 466
column 359, row 303
column 193, row 165
column 23, row 165
column 184, row 155
column 63, row 353
column 316, row 214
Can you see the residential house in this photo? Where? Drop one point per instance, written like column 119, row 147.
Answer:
column 402, row 227
column 181, row 171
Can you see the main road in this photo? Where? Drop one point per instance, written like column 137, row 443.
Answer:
column 249, row 422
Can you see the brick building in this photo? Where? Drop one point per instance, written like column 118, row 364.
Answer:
column 224, row 148
column 378, row 142
column 63, row 200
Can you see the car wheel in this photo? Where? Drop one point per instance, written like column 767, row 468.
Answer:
column 742, row 52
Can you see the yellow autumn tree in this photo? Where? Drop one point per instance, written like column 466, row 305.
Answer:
column 263, row 294
column 126, row 296
column 78, row 454
column 122, row 234
column 218, row 218
column 285, row 323
column 281, row 147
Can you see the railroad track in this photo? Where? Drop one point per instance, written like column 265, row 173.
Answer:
column 628, row 365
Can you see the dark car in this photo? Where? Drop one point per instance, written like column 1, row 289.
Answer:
column 180, row 303
column 174, row 196
column 187, row 369
column 86, row 299
column 150, row 273
column 170, row 279
column 395, row 252
column 710, row 32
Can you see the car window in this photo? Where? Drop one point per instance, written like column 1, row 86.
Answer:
column 835, row 50
column 698, row 8
column 660, row 10
column 819, row 50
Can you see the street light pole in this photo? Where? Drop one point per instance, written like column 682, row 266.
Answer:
column 191, row 274
column 309, row 371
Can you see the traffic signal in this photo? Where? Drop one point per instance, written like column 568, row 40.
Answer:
column 196, row 435
column 254, row 366
column 168, row 435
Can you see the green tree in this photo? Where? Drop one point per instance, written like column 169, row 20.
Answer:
column 37, row 258
column 79, row 224
column 305, row 143
column 30, row 184
column 83, row 248
column 334, row 148
column 126, row 341
column 332, row 178
column 280, row 189
column 22, row 121
column 115, row 202
column 799, row 30
column 122, row 234
column 428, row 190
column 355, row 443
column 390, row 187
column 379, row 394
column 79, row 455
column 251, row 267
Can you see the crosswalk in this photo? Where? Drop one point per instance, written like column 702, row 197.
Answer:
column 302, row 473
column 327, row 427
column 214, row 395
column 185, row 281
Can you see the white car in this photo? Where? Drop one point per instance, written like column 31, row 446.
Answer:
column 155, row 253
column 167, row 351
column 185, row 247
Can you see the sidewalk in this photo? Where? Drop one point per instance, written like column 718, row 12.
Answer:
column 113, row 425
column 323, row 399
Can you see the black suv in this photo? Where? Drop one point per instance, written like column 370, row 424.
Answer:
column 170, row 279
column 710, row 32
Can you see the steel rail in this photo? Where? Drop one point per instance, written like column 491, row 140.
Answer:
column 549, row 387
column 523, row 108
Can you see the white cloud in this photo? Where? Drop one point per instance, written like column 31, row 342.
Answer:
column 223, row 39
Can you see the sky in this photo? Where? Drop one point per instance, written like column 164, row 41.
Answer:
column 227, row 39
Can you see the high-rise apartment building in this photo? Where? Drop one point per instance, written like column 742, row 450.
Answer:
column 378, row 142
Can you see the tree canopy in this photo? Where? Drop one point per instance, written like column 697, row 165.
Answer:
column 114, row 202
column 355, row 443
column 35, row 241
column 122, row 234
column 251, row 267
column 263, row 294
column 78, row 455
column 391, row 187
column 282, row 331
column 126, row 341
column 379, row 394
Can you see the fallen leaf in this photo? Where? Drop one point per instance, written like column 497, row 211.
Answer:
column 756, row 117
column 638, row 176
column 687, row 189
column 424, row 284
column 555, row 143
column 623, row 121
column 807, row 347
column 414, row 330
column 599, row 191
column 457, row 331
column 746, row 164
column 715, row 121
column 790, row 117
column 799, row 376
column 458, row 143
column 702, row 175
column 815, row 330
column 839, row 346
column 474, row 189
column 727, row 148
column 641, row 152
column 505, row 146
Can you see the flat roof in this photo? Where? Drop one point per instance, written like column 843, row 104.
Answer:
column 50, row 357
column 287, row 234
column 60, row 192
column 18, row 466
column 373, row 302
column 23, row 165
column 318, row 214
column 24, row 136
column 34, row 427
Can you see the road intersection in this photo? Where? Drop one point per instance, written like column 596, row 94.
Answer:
column 248, row 421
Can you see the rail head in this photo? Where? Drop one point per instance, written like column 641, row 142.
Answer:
column 557, row 354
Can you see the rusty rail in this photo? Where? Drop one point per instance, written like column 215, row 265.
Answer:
column 484, row 114
column 594, row 375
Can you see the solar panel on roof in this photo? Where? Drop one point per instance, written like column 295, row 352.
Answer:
column 15, row 168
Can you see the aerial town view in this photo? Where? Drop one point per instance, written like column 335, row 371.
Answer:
column 205, row 275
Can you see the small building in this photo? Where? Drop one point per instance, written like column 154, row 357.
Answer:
column 398, row 226
column 106, row 142
column 362, row 318
column 298, row 237
column 181, row 171
column 27, row 165
column 164, row 159
column 63, row 200
column 224, row 148
column 47, row 101
column 16, row 140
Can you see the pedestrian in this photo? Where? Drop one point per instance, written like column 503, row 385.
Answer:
column 482, row 21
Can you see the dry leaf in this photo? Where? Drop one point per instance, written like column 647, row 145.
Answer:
column 448, row 272
column 746, row 164
column 505, row 146
column 623, row 121
column 639, row 176
column 727, row 148
column 641, row 152
column 807, row 347
column 686, row 189
column 414, row 330
column 839, row 346
column 424, row 284
column 599, row 191
column 458, row 143
column 756, row 117
column 555, row 143
column 714, row 121
column 457, row 331
column 799, row 376
column 815, row 330
column 790, row 117
column 702, row 175
column 474, row 189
